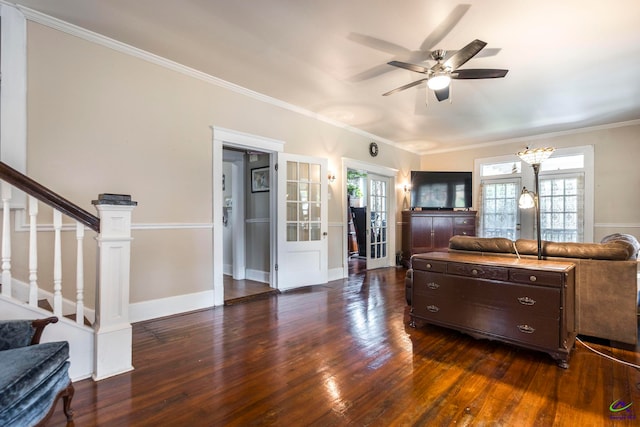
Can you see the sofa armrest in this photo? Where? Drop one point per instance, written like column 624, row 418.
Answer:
column 21, row 333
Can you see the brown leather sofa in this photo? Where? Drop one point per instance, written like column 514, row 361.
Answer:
column 606, row 278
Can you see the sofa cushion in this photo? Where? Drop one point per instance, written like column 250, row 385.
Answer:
column 626, row 239
column 25, row 369
column 15, row 333
column 607, row 251
column 34, row 407
column 481, row 244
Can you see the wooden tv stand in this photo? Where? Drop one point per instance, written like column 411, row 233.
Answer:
column 427, row 231
column 526, row 302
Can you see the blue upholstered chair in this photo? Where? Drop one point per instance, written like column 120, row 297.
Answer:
column 33, row 376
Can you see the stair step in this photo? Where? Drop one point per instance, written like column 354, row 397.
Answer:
column 44, row 304
column 73, row 317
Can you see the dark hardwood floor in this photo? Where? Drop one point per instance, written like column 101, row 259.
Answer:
column 240, row 291
column 343, row 354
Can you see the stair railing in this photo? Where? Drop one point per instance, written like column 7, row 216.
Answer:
column 112, row 329
column 39, row 193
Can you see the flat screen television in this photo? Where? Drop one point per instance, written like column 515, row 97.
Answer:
column 441, row 190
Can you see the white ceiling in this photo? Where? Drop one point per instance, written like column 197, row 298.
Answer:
column 572, row 63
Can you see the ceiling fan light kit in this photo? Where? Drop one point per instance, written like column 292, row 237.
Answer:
column 439, row 81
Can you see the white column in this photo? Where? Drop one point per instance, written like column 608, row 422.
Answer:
column 113, row 330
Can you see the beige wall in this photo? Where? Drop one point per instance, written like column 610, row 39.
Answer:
column 616, row 175
column 104, row 121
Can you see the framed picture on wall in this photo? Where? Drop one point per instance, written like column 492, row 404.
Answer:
column 260, row 179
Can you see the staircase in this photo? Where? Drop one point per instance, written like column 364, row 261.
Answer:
column 99, row 334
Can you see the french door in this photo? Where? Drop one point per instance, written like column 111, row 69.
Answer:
column 302, row 221
column 377, row 222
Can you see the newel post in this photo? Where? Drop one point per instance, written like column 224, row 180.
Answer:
column 113, row 335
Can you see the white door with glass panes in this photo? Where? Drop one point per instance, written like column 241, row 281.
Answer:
column 302, row 221
column 377, row 221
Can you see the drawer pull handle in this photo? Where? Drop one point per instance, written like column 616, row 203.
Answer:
column 526, row 301
column 533, row 278
column 433, row 308
column 464, row 221
column 474, row 272
column 432, row 285
column 428, row 265
column 526, row 329
column 464, row 233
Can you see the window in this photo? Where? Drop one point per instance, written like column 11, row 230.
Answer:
column 561, row 208
column 499, row 211
column 566, row 196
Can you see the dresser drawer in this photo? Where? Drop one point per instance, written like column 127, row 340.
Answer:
column 439, row 308
column 468, row 222
column 541, row 332
column 464, row 231
column 418, row 263
column 524, row 300
column 537, row 277
column 425, row 283
column 478, row 271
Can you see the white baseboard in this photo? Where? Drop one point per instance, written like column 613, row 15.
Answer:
column 336, row 274
column 227, row 270
column 161, row 307
column 258, row 276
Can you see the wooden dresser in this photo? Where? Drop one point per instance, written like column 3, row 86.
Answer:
column 526, row 302
column 426, row 231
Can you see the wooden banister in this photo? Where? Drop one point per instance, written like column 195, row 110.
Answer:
column 45, row 195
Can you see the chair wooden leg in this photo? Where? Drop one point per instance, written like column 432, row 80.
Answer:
column 66, row 401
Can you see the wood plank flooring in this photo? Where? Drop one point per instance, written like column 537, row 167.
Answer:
column 240, row 291
column 343, row 354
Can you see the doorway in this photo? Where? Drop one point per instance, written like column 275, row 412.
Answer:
column 245, row 228
column 370, row 217
column 297, row 227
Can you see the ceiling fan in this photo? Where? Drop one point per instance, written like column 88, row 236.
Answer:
column 439, row 76
column 423, row 53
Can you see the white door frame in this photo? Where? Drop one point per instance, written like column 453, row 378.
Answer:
column 236, row 159
column 227, row 137
column 377, row 170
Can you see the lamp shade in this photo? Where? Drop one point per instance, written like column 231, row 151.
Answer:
column 439, row 81
column 526, row 200
column 537, row 155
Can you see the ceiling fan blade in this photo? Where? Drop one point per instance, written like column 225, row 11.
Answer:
column 410, row 67
column 444, row 27
column 379, row 44
column 479, row 73
column 465, row 54
column 372, row 72
column 484, row 53
column 407, row 86
column 442, row 94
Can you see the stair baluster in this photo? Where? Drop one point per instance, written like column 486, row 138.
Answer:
column 57, row 264
column 33, row 251
column 6, row 239
column 79, row 275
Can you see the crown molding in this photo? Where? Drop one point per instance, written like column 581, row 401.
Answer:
column 74, row 30
column 535, row 137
